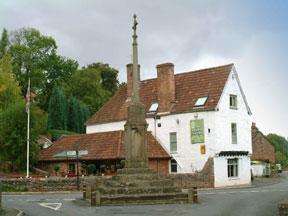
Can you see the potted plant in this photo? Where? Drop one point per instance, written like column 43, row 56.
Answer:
column 122, row 162
column 56, row 169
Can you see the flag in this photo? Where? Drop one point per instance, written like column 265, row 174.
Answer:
column 28, row 97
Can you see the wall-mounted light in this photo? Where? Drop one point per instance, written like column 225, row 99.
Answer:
column 177, row 121
column 196, row 115
column 209, row 130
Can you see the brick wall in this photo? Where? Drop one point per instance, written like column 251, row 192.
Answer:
column 262, row 149
column 64, row 167
column 283, row 208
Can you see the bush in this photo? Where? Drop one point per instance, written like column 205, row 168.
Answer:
column 91, row 169
column 10, row 188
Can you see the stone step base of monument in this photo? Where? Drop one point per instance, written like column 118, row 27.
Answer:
column 139, row 190
column 135, row 171
column 144, row 188
column 144, row 199
column 137, row 182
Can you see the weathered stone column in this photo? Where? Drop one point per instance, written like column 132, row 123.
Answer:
column 135, row 137
column 136, row 125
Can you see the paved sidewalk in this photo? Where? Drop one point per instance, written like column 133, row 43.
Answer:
column 263, row 181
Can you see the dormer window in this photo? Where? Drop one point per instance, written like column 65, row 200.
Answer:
column 233, row 101
column 153, row 107
column 201, row 101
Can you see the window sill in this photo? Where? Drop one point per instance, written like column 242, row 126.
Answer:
column 173, row 152
column 233, row 178
column 234, row 108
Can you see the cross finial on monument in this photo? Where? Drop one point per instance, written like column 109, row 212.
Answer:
column 134, row 27
column 135, row 23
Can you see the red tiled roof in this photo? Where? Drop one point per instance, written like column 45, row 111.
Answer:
column 189, row 87
column 100, row 146
column 262, row 148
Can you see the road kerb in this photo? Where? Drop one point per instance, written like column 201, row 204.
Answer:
column 40, row 192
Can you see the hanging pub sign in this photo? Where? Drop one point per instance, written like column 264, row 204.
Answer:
column 197, row 131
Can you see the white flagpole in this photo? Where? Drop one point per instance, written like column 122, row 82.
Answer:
column 28, row 127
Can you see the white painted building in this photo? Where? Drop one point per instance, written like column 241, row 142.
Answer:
column 200, row 114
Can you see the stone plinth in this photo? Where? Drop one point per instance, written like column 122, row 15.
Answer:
column 145, row 188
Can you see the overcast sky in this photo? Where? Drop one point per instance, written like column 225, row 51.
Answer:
column 191, row 34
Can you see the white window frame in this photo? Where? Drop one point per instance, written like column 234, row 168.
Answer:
column 233, row 101
column 234, row 136
column 173, row 162
column 232, row 167
column 153, row 107
column 174, row 141
column 201, row 101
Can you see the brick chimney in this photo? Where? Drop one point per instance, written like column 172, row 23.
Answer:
column 165, row 86
column 254, row 129
column 129, row 79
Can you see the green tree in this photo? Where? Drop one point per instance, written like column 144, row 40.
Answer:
column 57, row 110
column 9, row 89
column 93, row 85
column 58, row 70
column 109, row 76
column 74, row 115
column 281, row 148
column 35, row 57
column 13, row 135
column 4, row 43
column 85, row 115
column 78, row 113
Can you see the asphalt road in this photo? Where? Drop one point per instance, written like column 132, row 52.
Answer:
column 260, row 200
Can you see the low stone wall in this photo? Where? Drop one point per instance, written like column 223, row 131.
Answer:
column 283, row 208
column 202, row 179
column 59, row 184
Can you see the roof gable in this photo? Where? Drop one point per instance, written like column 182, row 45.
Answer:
column 235, row 74
column 189, row 87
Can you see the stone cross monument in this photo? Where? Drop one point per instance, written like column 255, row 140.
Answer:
column 136, row 125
